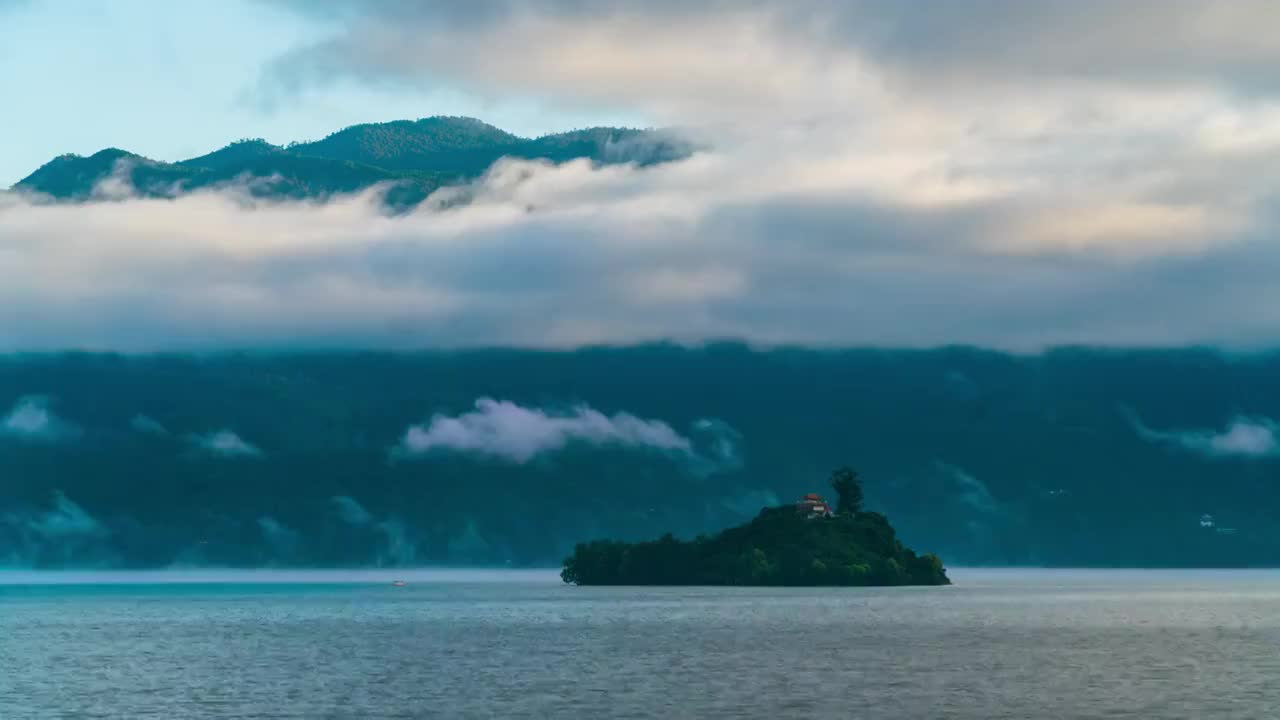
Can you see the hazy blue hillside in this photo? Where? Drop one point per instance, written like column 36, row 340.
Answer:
column 72, row 177
column 1071, row 457
column 416, row 156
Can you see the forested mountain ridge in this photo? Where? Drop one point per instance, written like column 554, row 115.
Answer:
column 415, row 156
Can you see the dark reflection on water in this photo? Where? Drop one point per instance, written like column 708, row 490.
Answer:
column 1016, row 644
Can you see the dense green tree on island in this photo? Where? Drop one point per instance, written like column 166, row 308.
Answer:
column 848, row 491
column 781, row 546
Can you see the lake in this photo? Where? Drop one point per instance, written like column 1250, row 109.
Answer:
column 997, row 644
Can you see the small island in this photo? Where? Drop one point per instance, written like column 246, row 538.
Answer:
column 805, row 544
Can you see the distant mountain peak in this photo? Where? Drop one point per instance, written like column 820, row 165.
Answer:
column 414, row 157
column 114, row 153
column 400, row 140
column 236, row 152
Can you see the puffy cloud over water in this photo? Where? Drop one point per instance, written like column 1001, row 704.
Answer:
column 514, row 433
column 1243, row 437
column 31, row 418
column 225, row 443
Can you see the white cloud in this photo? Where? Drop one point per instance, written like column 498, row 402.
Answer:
column 66, row 519
column 774, row 245
column 351, row 511
column 282, row 539
column 32, row 419
column 66, row 531
column 748, row 503
column 225, row 443
column 396, row 544
column 688, row 62
column 1244, row 437
column 683, row 287
column 517, row 434
column 30, row 416
column 971, row 491
column 877, row 177
column 147, row 425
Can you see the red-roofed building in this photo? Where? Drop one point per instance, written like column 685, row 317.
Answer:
column 813, row 505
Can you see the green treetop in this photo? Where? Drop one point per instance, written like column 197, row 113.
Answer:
column 848, row 491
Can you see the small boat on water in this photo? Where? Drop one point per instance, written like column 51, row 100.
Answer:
column 398, row 583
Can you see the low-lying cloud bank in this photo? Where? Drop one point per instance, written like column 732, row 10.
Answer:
column 770, row 247
column 874, row 178
column 498, row 429
column 1244, row 437
column 512, row 433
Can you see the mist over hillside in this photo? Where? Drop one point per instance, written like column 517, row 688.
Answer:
column 1071, row 457
column 413, row 158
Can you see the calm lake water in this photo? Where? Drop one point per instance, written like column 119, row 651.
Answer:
column 998, row 644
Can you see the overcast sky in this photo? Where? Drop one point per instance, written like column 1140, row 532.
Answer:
column 996, row 172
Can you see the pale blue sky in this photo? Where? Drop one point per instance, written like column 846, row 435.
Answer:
column 171, row 80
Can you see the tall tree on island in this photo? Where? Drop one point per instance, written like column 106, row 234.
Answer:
column 848, row 491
